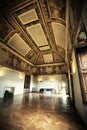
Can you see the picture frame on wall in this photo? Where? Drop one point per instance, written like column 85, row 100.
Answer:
column 84, row 78
column 83, row 60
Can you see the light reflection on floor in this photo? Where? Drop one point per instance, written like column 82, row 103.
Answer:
column 39, row 112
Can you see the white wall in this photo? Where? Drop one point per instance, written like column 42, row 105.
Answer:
column 49, row 81
column 11, row 78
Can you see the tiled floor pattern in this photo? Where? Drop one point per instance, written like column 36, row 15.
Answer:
column 38, row 112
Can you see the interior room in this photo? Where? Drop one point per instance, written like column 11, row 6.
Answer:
column 43, row 65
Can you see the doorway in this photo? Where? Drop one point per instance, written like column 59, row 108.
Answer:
column 27, row 83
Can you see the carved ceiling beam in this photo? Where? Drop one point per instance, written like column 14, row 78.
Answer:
column 51, row 64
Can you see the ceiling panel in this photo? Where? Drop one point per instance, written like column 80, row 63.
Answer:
column 28, row 16
column 44, row 48
column 48, row 58
column 17, row 43
column 37, row 34
column 59, row 33
column 36, row 31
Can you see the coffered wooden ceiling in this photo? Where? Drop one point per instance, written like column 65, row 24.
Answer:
column 35, row 30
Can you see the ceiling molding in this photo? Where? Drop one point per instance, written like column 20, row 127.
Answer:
column 31, row 22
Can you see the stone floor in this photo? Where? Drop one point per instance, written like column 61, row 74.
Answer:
column 39, row 112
